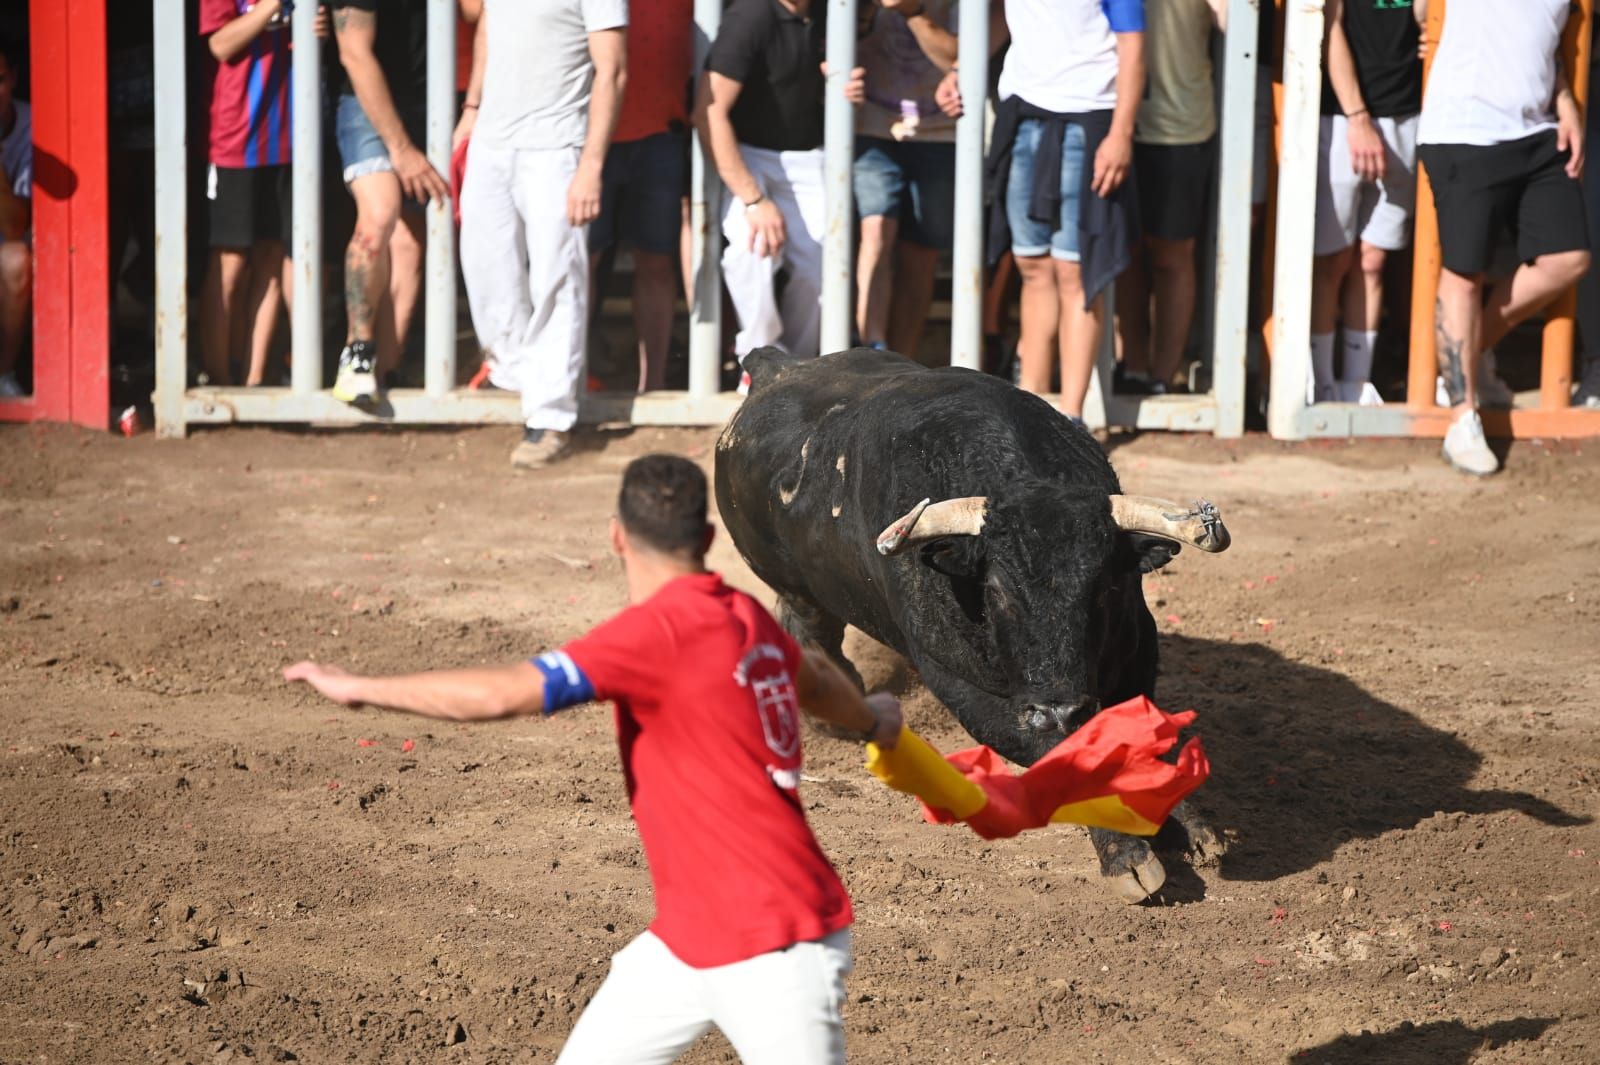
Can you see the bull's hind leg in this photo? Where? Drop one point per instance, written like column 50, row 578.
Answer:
column 812, row 626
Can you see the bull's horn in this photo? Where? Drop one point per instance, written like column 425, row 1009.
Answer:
column 1200, row 525
column 927, row 520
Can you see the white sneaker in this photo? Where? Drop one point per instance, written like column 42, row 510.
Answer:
column 1366, row 394
column 1466, row 449
column 10, row 387
column 1441, row 395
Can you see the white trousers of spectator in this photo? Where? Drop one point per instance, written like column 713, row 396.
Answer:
column 779, row 1008
column 793, row 182
column 527, row 275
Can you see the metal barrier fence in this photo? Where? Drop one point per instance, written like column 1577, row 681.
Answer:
column 441, row 401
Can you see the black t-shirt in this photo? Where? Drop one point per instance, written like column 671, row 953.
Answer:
column 777, row 57
column 401, row 47
column 1383, row 38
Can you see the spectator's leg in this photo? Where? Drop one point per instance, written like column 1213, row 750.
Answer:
column 1328, row 278
column 686, row 250
column 1041, row 322
column 1458, row 325
column 916, row 268
column 266, row 299
column 1531, row 288
column 552, row 344
column 802, row 201
column 1363, row 312
column 494, row 263
column 874, row 275
column 748, row 272
column 997, row 315
column 220, row 311
column 654, row 299
column 1080, row 336
column 366, row 258
column 1172, row 270
column 16, row 301
column 407, row 246
column 1133, row 315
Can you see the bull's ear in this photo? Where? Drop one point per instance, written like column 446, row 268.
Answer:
column 1153, row 552
column 954, row 556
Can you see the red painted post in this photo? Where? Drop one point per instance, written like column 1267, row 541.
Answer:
column 91, row 286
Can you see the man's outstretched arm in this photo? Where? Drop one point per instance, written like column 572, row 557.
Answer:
column 827, row 695
column 485, row 694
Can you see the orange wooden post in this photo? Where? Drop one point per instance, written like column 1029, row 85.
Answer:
column 1423, row 368
column 1555, row 367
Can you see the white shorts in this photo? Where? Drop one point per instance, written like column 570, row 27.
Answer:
column 779, row 1008
column 1348, row 207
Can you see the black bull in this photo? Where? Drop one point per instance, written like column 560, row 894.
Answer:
column 1016, row 595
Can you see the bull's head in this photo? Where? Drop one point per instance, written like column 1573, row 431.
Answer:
column 1052, row 574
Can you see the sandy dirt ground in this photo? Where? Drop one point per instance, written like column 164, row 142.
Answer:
column 1396, row 671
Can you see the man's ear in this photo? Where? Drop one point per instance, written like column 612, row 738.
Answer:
column 1152, row 552
column 954, row 556
column 619, row 537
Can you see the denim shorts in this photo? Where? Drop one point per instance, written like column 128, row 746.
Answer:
column 360, row 148
column 1028, row 236
column 641, row 194
column 914, row 182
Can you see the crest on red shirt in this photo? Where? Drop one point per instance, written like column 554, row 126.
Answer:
column 776, row 702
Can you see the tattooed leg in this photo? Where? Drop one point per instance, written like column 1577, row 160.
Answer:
column 1457, row 319
column 366, row 258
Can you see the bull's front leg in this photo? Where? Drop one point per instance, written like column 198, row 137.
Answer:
column 1128, row 863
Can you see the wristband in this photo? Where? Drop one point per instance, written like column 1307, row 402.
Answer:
column 1356, row 114
column 469, row 107
column 756, row 202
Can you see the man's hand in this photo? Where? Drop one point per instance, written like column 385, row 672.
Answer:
column 1569, row 132
column 767, row 233
column 1111, row 162
column 464, row 127
column 331, row 681
column 583, row 195
column 886, row 710
column 855, row 86
column 321, row 24
column 1367, row 155
column 417, row 176
column 948, row 95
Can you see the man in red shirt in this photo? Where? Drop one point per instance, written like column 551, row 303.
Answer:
column 751, row 932
column 248, row 183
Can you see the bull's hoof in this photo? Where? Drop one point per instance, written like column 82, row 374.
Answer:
column 1139, row 883
column 1205, row 845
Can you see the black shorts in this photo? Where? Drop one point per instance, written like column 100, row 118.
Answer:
column 1480, row 191
column 1174, row 188
column 250, row 204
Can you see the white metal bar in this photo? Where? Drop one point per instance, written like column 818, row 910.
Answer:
column 305, row 317
column 967, row 268
column 1231, row 300
column 705, row 222
column 838, row 161
column 414, row 406
column 1297, row 210
column 439, row 349
column 172, row 218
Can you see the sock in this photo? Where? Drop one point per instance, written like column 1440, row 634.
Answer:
column 1321, row 366
column 1357, row 367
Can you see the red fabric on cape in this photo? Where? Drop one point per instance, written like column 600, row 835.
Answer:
column 1117, row 754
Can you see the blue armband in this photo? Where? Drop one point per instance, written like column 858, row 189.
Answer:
column 564, row 683
column 1125, row 16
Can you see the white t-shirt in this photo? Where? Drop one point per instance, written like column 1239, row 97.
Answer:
column 1063, row 53
column 1494, row 79
column 537, row 74
column 16, row 152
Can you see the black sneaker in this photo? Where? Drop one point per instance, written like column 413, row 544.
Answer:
column 1588, row 394
column 1126, row 383
column 357, row 382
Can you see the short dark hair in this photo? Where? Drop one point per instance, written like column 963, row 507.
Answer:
column 663, row 504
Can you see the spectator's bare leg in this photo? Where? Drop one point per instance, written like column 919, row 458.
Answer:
column 366, row 258
column 1133, row 316
column 1457, row 324
column 220, row 313
column 1528, row 290
column 1328, row 276
column 654, row 300
column 1363, row 290
column 910, row 297
column 1041, row 321
column 997, row 296
column 16, row 301
column 686, row 253
column 1080, row 336
column 267, row 274
column 1173, row 277
column 874, row 275
column 406, row 249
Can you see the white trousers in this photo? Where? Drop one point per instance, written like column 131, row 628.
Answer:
column 780, row 1008
column 792, row 181
column 527, row 275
